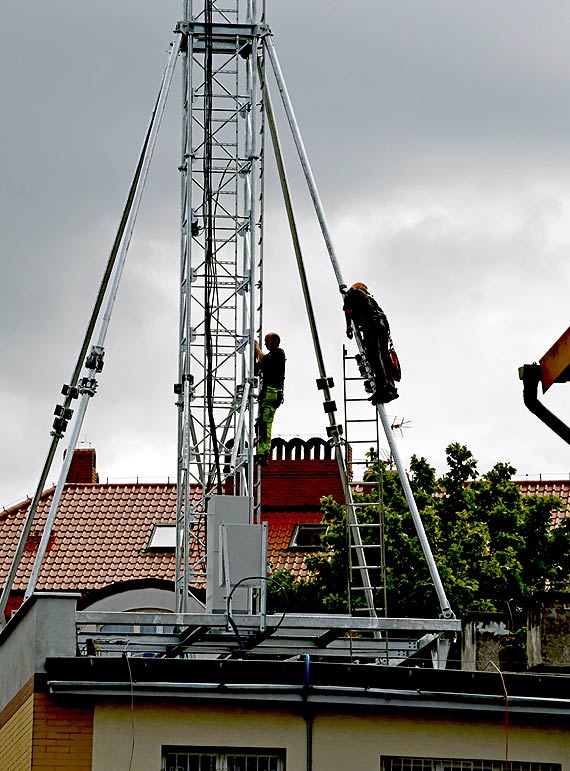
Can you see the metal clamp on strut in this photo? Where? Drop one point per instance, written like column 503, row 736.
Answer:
column 324, row 382
column 88, row 385
column 95, row 359
column 70, row 391
column 334, row 432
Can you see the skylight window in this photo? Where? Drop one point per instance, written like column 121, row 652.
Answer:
column 307, row 535
column 163, row 537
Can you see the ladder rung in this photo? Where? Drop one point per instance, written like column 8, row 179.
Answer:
column 365, row 546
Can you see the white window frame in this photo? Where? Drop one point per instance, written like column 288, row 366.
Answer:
column 221, row 756
column 403, row 763
column 163, row 537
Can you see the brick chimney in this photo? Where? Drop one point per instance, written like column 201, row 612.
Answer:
column 83, row 469
column 299, row 474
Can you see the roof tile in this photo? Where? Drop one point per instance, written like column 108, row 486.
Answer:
column 560, row 488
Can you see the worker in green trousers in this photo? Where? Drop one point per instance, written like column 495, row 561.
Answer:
column 271, row 367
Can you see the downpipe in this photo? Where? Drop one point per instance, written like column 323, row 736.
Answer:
column 531, row 376
column 308, row 712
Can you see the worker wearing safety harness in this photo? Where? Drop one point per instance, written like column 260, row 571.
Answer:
column 271, row 367
column 362, row 310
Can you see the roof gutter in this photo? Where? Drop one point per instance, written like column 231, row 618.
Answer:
column 331, row 696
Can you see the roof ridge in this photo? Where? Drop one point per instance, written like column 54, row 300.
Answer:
column 122, row 484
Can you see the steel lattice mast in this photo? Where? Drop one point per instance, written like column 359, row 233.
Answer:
column 220, row 255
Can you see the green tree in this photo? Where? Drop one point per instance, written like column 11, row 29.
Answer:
column 494, row 547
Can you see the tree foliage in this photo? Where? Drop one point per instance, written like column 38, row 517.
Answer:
column 493, row 546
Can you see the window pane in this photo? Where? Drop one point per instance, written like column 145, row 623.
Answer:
column 191, row 762
column 457, row 764
column 222, row 761
column 307, row 536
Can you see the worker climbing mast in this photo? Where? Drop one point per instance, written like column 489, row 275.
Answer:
column 221, row 247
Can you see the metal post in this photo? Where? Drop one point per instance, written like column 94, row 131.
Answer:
column 446, row 611
column 46, row 533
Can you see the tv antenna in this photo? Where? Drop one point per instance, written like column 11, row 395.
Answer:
column 399, row 424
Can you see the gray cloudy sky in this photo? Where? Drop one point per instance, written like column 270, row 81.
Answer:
column 439, row 134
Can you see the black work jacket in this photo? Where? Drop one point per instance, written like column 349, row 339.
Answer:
column 365, row 312
column 272, row 369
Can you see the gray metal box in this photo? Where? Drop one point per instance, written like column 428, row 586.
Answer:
column 236, row 550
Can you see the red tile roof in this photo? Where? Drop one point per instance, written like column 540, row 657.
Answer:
column 102, row 531
column 100, row 536
column 559, row 488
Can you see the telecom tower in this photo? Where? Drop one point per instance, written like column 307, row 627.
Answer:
column 222, row 49
column 221, row 260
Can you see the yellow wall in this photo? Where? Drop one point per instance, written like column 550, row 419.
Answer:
column 367, row 738
column 341, row 742
column 16, row 736
column 155, row 726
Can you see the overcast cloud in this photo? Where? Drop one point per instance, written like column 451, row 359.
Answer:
column 439, row 135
